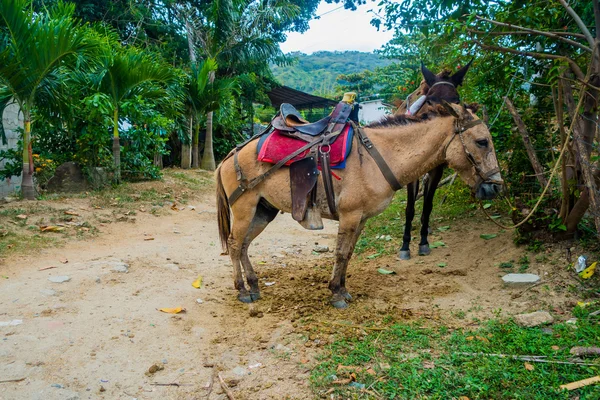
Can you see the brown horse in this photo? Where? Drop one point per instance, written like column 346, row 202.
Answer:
column 411, row 146
column 433, row 90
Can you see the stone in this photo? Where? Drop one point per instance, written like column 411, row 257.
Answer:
column 120, row 267
column 239, row 371
column 68, row 177
column 59, row 279
column 518, row 279
column 98, row 177
column 534, row 319
column 172, row 267
column 321, row 249
column 48, row 292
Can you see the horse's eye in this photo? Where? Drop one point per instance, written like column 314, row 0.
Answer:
column 482, row 143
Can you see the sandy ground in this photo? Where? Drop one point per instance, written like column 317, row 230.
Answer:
column 97, row 335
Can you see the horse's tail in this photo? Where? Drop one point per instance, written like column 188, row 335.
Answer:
column 223, row 213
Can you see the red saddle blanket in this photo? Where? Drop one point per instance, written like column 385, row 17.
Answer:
column 276, row 146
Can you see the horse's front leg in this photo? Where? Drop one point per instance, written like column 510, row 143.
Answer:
column 348, row 233
column 412, row 190
column 435, row 176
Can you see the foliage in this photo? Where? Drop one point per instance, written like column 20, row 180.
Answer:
column 413, row 361
column 13, row 162
column 317, row 73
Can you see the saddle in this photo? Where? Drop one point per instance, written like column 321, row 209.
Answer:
column 304, row 172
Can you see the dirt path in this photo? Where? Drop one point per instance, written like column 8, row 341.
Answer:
column 96, row 336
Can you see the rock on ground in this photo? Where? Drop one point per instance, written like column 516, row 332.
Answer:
column 59, row 279
column 534, row 319
column 520, row 278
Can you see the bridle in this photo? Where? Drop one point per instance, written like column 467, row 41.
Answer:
column 459, row 129
column 412, row 109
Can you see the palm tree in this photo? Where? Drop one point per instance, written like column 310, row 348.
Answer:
column 36, row 51
column 238, row 34
column 195, row 103
column 126, row 74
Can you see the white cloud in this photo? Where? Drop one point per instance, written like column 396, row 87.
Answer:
column 338, row 29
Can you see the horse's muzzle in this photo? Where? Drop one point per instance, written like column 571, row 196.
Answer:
column 488, row 190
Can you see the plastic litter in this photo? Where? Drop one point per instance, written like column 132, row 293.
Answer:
column 581, row 264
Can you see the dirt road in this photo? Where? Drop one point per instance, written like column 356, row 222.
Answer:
column 96, row 335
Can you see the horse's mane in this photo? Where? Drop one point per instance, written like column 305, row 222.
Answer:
column 403, row 119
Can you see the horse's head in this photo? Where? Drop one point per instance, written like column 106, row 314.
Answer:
column 443, row 86
column 470, row 151
column 434, row 89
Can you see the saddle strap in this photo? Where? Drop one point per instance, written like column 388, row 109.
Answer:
column 372, row 150
column 255, row 181
column 325, row 162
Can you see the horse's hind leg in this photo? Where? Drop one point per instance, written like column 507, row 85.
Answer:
column 243, row 214
column 264, row 215
column 428, row 193
column 348, row 233
column 412, row 190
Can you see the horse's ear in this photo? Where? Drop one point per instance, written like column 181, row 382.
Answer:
column 459, row 76
column 429, row 76
column 473, row 107
column 450, row 109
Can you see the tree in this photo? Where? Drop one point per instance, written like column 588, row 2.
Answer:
column 531, row 51
column 128, row 73
column 37, row 50
column 242, row 36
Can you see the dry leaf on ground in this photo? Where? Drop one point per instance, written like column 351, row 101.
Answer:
column 198, row 282
column 175, row 310
column 528, row 366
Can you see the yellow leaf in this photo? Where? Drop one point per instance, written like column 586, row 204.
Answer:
column 51, row 228
column 555, row 348
column 176, row 310
column 463, row 398
column 529, row 367
column 198, row 282
column 588, row 272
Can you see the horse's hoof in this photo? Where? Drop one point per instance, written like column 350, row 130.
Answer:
column 424, row 250
column 404, row 255
column 245, row 298
column 347, row 296
column 255, row 296
column 339, row 304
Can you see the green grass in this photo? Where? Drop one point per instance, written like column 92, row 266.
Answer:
column 416, row 362
column 457, row 205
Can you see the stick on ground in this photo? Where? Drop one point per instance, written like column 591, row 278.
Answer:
column 581, row 383
column 225, row 388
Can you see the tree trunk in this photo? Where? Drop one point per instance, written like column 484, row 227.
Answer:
column 195, row 152
column 557, row 98
column 537, row 167
column 116, row 147
column 208, row 159
column 186, row 148
column 27, row 186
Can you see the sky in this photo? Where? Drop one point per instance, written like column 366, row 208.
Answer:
column 338, row 29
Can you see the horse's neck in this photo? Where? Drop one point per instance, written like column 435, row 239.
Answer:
column 412, row 150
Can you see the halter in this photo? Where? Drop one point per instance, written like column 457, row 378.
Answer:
column 416, row 106
column 459, row 129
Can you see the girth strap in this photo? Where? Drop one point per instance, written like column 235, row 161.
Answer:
column 325, row 162
column 383, row 166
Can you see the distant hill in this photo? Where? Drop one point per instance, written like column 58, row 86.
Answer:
column 316, row 73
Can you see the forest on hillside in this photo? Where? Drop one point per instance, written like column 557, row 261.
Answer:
column 317, row 73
